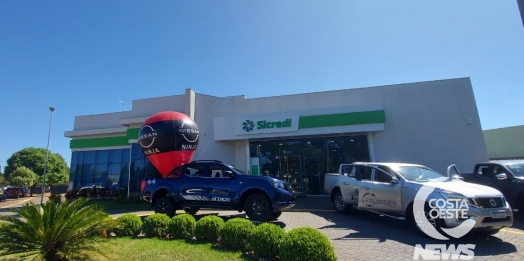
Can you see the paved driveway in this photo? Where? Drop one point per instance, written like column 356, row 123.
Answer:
column 367, row 236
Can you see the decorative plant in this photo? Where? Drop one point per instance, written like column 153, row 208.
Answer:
column 53, row 231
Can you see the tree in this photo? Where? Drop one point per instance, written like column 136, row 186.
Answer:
column 34, row 159
column 2, row 181
column 55, row 231
column 56, row 178
column 22, row 177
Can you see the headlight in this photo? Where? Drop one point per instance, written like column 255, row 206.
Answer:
column 452, row 195
column 456, row 198
column 277, row 184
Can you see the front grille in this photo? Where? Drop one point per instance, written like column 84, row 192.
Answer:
column 489, row 202
column 287, row 187
column 491, row 220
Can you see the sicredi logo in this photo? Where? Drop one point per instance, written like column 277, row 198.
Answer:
column 260, row 124
column 248, row 125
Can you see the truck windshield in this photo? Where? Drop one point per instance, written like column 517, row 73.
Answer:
column 240, row 172
column 517, row 169
column 417, row 174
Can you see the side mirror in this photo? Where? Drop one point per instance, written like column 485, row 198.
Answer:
column 457, row 177
column 501, row 176
column 228, row 174
column 394, row 180
column 452, row 171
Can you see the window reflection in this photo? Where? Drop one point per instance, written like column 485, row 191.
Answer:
column 107, row 168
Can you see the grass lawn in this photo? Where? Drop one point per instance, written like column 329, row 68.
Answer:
column 131, row 249
column 155, row 249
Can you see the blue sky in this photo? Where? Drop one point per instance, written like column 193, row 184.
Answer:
column 83, row 57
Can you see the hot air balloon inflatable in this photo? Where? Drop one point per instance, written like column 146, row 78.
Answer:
column 168, row 139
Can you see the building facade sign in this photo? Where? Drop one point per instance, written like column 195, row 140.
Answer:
column 265, row 124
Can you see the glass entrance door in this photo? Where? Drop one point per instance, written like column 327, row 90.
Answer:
column 290, row 166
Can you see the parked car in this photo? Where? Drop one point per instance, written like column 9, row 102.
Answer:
column 505, row 176
column 389, row 189
column 38, row 189
column 16, row 192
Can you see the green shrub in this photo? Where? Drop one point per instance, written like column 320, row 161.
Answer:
column 57, row 198
column 182, row 226
column 123, row 199
column 306, row 243
column 265, row 238
column 131, row 225
column 71, row 195
column 156, row 225
column 208, row 228
column 235, row 233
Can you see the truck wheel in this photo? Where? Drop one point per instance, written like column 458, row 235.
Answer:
column 191, row 210
column 275, row 215
column 437, row 223
column 338, row 202
column 258, row 207
column 166, row 206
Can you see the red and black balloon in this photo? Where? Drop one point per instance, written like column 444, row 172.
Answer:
column 168, row 139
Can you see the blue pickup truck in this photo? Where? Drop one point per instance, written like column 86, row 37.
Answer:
column 213, row 184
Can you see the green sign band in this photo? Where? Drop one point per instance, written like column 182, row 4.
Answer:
column 315, row 121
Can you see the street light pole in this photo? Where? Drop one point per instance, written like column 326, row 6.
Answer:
column 122, row 104
column 52, row 109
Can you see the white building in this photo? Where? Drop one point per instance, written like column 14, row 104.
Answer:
column 293, row 137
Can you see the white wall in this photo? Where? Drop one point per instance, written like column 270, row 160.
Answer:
column 426, row 122
column 99, row 121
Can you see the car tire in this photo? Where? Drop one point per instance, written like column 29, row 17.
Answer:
column 338, row 203
column 166, row 206
column 487, row 232
column 258, row 207
column 275, row 215
column 191, row 210
column 437, row 223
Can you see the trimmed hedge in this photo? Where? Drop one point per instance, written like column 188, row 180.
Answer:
column 208, row 228
column 306, row 243
column 156, row 225
column 235, row 233
column 71, row 195
column 131, row 225
column 265, row 238
column 57, row 198
column 182, row 227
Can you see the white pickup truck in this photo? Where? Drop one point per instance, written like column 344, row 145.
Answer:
column 390, row 189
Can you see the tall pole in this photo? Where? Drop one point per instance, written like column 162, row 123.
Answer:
column 52, row 109
column 122, row 104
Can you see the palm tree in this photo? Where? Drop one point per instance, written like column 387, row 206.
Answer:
column 55, row 231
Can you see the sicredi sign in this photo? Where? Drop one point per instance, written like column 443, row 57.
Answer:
column 265, row 124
